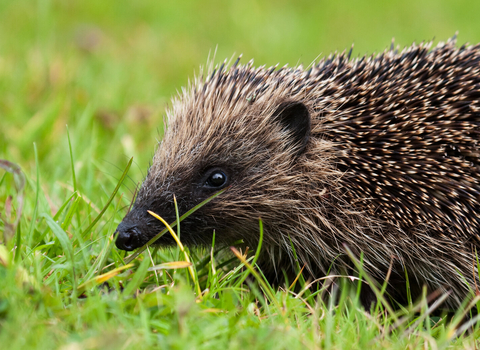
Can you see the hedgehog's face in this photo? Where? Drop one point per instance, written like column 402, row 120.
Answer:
column 252, row 154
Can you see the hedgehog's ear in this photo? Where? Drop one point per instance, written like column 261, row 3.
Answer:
column 295, row 118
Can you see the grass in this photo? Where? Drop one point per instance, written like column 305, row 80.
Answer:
column 107, row 70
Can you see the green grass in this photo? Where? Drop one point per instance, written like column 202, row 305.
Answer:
column 107, row 69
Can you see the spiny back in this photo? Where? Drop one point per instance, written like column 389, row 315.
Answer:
column 410, row 126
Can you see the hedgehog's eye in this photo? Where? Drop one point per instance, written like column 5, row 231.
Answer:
column 216, row 179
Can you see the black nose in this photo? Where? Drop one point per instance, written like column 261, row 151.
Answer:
column 128, row 237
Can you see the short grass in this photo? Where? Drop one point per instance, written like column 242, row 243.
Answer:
column 83, row 88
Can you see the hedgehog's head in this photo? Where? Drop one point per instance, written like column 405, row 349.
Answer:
column 223, row 133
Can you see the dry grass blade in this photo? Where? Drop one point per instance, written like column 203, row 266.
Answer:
column 171, row 265
column 101, row 278
column 182, row 248
column 418, row 307
column 425, row 314
column 260, row 280
column 453, row 328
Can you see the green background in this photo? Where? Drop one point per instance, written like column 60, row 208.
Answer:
column 113, row 65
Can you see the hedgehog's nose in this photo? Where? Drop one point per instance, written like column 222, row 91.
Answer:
column 128, row 237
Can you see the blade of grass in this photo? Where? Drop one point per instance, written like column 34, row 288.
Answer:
column 56, row 216
column 37, row 193
column 65, row 243
column 99, row 263
column 460, row 315
column 268, row 290
column 138, row 277
column 99, row 216
column 464, row 327
column 206, row 259
column 257, row 253
column 110, row 242
column 101, row 278
column 72, row 210
column 177, row 217
column 182, row 248
column 299, row 275
column 72, row 163
column 372, row 284
column 18, row 243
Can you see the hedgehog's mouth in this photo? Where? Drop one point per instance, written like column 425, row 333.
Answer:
column 132, row 236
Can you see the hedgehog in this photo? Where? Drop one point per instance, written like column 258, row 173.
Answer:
column 379, row 155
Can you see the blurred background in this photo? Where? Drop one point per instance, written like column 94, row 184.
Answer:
column 108, row 68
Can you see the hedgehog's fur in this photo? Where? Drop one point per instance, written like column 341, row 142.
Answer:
column 391, row 167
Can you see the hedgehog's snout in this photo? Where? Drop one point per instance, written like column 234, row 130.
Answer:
column 128, row 236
